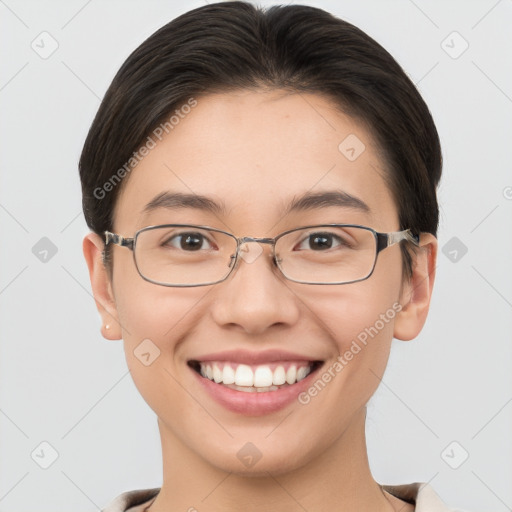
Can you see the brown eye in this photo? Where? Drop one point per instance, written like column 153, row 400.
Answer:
column 188, row 242
column 322, row 241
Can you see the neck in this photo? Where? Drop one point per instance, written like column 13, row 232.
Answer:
column 337, row 479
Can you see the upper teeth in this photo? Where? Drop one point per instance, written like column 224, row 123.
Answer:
column 257, row 376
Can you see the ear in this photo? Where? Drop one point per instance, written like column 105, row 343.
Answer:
column 93, row 246
column 417, row 291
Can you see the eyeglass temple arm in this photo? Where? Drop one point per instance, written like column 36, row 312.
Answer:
column 118, row 240
column 388, row 239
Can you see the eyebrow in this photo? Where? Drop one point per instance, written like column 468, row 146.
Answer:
column 307, row 201
column 176, row 200
column 311, row 201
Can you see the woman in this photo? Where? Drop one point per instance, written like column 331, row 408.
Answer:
column 261, row 191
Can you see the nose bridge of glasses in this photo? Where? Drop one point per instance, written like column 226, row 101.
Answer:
column 246, row 239
column 249, row 255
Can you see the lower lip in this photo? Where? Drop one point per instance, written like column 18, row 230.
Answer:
column 255, row 403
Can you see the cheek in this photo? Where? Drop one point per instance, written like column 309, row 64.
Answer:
column 361, row 329
column 147, row 310
column 358, row 319
column 358, row 311
column 154, row 320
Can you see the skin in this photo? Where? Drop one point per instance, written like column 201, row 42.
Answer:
column 255, row 150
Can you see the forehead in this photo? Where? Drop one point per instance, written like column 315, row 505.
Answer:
column 253, row 153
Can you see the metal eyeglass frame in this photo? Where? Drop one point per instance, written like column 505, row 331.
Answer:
column 383, row 241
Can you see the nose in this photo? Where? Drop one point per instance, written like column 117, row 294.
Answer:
column 256, row 296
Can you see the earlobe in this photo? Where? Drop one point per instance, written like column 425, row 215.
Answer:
column 417, row 292
column 101, row 286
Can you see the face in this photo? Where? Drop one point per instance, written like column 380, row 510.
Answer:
column 253, row 152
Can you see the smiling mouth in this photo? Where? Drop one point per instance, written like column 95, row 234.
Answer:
column 255, row 378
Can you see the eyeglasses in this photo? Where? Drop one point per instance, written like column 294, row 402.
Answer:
column 189, row 255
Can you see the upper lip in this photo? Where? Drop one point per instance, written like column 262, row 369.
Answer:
column 254, row 358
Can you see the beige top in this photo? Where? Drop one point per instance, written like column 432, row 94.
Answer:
column 420, row 494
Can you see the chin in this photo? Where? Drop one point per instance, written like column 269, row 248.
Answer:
column 278, row 463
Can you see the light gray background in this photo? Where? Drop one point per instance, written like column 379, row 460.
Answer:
column 63, row 384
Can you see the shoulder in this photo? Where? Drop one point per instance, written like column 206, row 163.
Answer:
column 422, row 495
column 132, row 501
